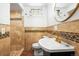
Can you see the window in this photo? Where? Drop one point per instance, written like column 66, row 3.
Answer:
column 35, row 12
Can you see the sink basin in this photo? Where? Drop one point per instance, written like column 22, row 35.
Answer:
column 50, row 45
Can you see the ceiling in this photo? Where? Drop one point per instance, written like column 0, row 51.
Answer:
column 34, row 4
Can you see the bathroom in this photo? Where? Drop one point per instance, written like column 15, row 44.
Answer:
column 39, row 29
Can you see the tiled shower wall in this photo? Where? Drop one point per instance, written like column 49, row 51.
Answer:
column 5, row 41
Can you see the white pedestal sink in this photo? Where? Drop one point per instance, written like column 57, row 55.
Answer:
column 50, row 45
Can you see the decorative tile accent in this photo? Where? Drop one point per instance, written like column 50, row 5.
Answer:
column 70, row 36
column 4, row 35
column 15, row 18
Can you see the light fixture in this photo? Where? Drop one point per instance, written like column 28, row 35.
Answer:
column 35, row 4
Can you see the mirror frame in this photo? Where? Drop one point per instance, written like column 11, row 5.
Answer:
column 77, row 6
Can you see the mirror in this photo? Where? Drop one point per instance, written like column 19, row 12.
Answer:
column 64, row 11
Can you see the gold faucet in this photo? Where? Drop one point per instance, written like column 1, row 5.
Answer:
column 58, row 37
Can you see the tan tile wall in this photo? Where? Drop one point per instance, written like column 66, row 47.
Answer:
column 70, row 27
column 16, row 31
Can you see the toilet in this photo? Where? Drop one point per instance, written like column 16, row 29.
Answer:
column 37, row 49
column 36, row 45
